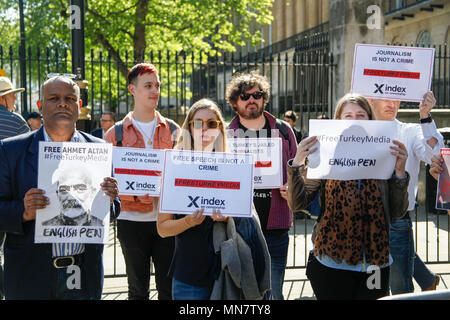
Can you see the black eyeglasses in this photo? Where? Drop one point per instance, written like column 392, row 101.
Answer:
column 256, row 95
column 210, row 124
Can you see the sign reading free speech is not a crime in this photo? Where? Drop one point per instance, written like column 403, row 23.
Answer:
column 392, row 72
column 194, row 180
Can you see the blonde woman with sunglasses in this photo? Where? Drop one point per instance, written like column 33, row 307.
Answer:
column 196, row 266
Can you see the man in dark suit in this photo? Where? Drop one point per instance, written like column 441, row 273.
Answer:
column 106, row 121
column 41, row 271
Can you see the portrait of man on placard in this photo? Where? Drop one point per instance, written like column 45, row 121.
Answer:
column 75, row 193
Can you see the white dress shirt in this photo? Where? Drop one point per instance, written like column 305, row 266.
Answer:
column 414, row 136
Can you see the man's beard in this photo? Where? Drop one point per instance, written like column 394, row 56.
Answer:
column 250, row 115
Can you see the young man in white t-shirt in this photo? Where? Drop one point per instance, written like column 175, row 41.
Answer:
column 144, row 127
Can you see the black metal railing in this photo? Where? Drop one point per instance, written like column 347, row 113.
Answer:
column 300, row 80
column 441, row 77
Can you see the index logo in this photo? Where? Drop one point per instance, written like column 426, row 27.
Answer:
column 379, row 87
column 129, row 185
column 193, row 202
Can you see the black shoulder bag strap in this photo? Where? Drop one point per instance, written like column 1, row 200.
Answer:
column 118, row 127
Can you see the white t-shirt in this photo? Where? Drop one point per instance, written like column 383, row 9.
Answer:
column 147, row 130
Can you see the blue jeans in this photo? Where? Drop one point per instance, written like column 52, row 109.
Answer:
column 278, row 250
column 402, row 251
column 185, row 291
column 424, row 277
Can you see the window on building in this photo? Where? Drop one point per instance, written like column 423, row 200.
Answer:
column 424, row 39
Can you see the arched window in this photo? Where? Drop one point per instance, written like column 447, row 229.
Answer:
column 424, row 39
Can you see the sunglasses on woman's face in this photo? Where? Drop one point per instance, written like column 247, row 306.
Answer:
column 256, row 95
column 210, row 124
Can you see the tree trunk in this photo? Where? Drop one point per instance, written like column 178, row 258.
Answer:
column 139, row 42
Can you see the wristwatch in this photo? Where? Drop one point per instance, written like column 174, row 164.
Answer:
column 428, row 119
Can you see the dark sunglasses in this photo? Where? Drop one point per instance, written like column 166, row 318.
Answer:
column 210, row 124
column 256, row 95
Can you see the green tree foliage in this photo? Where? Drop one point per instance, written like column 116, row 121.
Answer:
column 142, row 25
column 138, row 28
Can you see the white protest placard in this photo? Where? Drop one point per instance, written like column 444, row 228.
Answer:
column 138, row 171
column 392, row 72
column 267, row 156
column 211, row 180
column 352, row 149
column 71, row 174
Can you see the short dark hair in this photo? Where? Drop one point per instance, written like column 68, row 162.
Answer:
column 290, row 114
column 140, row 69
column 110, row 113
column 34, row 115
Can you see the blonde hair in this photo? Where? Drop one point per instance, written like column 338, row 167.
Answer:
column 353, row 98
column 186, row 141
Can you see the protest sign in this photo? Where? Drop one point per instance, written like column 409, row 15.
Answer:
column 267, row 156
column 211, row 180
column 71, row 174
column 392, row 72
column 138, row 171
column 352, row 149
column 443, row 186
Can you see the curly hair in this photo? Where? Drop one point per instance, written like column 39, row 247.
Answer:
column 246, row 81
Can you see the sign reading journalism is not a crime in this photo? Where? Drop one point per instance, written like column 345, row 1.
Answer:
column 211, row 180
column 392, row 72
column 138, row 171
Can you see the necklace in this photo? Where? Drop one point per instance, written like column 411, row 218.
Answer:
column 149, row 140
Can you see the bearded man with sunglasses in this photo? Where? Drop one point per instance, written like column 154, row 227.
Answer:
column 144, row 127
column 248, row 95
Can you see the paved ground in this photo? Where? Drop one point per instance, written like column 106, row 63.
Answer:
column 296, row 286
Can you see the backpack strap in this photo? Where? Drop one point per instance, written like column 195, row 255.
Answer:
column 174, row 129
column 282, row 127
column 118, row 128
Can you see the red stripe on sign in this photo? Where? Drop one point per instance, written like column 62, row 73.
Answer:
column 445, row 152
column 207, row 184
column 263, row 164
column 138, row 172
column 392, row 74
